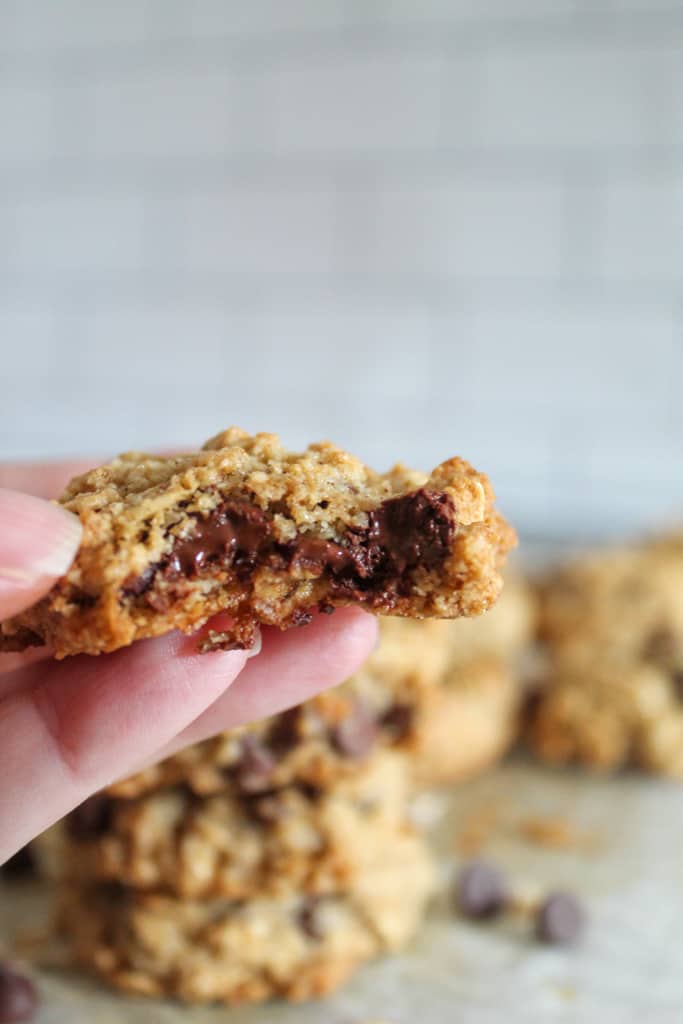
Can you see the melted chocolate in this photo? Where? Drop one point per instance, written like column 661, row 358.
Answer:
column 404, row 532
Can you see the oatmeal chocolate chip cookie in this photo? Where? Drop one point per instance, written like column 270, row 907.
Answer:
column 609, row 715
column 295, row 946
column 612, row 629
column 626, row 604
column 265, row 844
column 505, row 631
column 245, row 527
column 466, row 724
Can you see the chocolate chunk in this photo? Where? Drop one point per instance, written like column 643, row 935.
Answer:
column 415, row 529
column 309, row 919
column 355, row 735
column 560, row 918
column 398, row 720
column 232, row 535
column 18, row 996
column 138, row 585
column 314, row 555
column 404, row 532
column 91, row 819
column 481, row 891
column 254, row 770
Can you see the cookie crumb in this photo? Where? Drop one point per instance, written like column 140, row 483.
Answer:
column 554, row 833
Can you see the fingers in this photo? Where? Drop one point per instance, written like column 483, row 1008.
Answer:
column 42, row 479
column 38, row 542
column 291, row 667
column 69, row 728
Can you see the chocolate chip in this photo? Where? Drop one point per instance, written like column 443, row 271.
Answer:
column 309, row 919
column 356, row 734
column 91, row 819
column 398, row 720
column 560, row 918
column 255, row 767
column 481, row 891
column 284, row 733
column 18, row 996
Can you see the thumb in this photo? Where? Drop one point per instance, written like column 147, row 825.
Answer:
column 38, row 542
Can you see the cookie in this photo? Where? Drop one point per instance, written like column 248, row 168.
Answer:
column 608, row 716
column 245, row 527
column 504, row 632
column 611, row 625
column 627, row 604
column 269, row 844
column 466, row 724
column 296, row 946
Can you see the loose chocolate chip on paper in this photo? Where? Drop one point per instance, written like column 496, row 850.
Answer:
column 481, row 891
column 560, row 918
column 18, row 996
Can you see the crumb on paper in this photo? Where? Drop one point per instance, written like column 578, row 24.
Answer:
column 478, row 826
column 555, row 833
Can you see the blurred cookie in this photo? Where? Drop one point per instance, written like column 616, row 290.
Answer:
column 295, row 946
column 295, row 839
column 612, row 629
column 607, row 716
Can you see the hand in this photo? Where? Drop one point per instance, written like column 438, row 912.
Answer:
column 69, row 728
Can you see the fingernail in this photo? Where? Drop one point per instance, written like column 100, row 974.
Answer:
column 257, row 645
column 37, row 539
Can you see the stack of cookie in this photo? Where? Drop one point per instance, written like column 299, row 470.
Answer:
column 275, row 858
column 246, row 894
column 612, row 628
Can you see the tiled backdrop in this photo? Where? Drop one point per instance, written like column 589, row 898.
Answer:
column 416, row 226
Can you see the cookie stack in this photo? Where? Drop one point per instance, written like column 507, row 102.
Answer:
column 612, row 628
column 274, row 859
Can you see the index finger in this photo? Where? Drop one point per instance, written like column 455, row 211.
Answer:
column 42, row 479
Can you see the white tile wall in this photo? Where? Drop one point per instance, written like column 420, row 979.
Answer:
column 416, row 227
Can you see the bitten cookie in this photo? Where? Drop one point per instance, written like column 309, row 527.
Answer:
column 245, row 527
column 297, row 946
column 277, row 843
